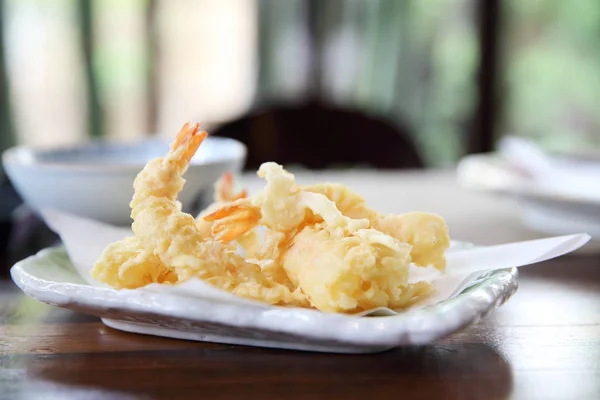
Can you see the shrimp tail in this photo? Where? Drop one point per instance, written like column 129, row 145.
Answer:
column 194, row 136
column 233, row 220
column 224, row 190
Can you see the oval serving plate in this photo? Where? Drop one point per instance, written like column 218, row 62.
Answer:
column 50, row 277
column 544, row 210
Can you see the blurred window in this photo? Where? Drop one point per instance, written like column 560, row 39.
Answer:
column 125, row 69
column 551, row 72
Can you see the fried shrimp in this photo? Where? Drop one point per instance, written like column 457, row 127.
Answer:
column 341, row 264
column 353, row 273
column 160, row 225
column 284, row 208
column 350, row 203
column 319, row 246
column 276, row 207
column 426, row 232
column 126, row 264
column 224, row 190
column 344, row 265
column 224, row 193
column 281, row 206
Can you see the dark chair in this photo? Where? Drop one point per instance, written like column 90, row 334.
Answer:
column 9, row 201
column 21, row 234
column 318, row 136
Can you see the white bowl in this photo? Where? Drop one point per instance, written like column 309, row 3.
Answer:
column 96, row 180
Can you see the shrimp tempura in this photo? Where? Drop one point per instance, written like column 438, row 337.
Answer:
column 224, row 194
column 126, row 264
column 353, row 273
column 426, row 232
column 341, row 264
column 322, row 246
column 172, row 237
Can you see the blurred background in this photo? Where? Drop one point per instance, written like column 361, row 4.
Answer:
column 455, row 74
column 448, row 77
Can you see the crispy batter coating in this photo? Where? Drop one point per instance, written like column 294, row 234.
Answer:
column 322, row 245
column 127, row 265
column 427, row 233
column 355, row 273
column 175, row 240
column 341, row 264
column 224, row 193
column 350, row 203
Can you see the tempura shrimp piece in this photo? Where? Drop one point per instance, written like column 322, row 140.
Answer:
column 276, row 207
column 284, row 210
column 224, row 193
column 340, row 264
column 348, row 274
column 281, row 206
column 285, row 202
column 125, row 264
column 357, row 272
column 224, row 190
column 344, row 265
column 175, row 239
column 426, row 232
column 350, row 203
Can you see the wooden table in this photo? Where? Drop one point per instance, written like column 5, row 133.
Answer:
column 543, row 344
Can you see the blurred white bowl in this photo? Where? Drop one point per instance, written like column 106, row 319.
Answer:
column 96, row 180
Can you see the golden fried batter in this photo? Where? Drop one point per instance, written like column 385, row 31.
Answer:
column 126, row 264
column 427, row 233
column 355, row 273
column 322, row 246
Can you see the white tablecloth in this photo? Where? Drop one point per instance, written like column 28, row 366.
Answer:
column 477, row 217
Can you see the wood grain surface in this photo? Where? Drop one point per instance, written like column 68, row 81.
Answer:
column 543, row 344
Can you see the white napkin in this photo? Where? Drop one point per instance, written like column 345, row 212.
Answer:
column 85, row 239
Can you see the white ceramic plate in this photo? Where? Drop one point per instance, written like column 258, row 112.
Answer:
column 546, row 208
column 51, row 278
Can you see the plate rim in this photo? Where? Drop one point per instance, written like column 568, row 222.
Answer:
column 490, row 290
column 533, row 192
